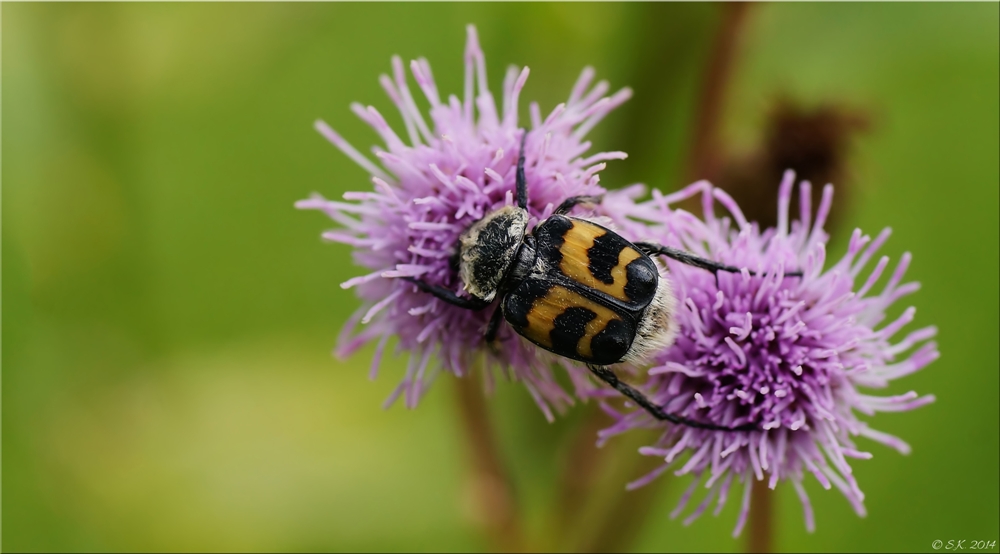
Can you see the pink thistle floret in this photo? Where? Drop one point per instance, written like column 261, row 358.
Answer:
column 429, row 188
column 786, row 353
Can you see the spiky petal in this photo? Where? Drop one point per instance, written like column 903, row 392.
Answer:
column 446, row 172
column 786, row 353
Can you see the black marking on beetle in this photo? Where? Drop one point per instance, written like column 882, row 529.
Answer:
column 550, row 237
column 518, row 302
column 603, row 256
column 642, row 280
column 612, row 343
column 568, row 328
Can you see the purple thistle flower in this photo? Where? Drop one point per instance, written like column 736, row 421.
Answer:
column 428, row 190
column 786, row 353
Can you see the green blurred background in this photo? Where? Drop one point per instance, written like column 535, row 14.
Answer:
column 168, row 316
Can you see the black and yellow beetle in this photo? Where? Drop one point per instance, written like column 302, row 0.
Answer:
column 572, row 287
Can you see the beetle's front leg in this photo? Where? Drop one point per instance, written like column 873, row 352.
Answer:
column 448, row 296
column 493, row 326
column 574, row 201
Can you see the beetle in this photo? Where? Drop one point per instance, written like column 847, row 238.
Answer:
column 572, row 287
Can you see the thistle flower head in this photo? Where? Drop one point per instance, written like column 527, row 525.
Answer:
column 448, row 172
column 786, row 353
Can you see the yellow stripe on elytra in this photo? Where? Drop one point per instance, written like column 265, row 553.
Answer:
column 545, row 310
column 575, row 262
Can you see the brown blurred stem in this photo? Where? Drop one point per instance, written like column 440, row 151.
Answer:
column 582, row 467
column 585, row 485
column 629, row 511
column 761, row 535
column 625, row 515
column 492, row 486
column 705, row 155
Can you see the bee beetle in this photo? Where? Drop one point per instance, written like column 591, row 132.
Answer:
column 572, row 287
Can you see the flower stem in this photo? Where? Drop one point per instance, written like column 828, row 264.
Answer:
column 761, row 536
column 705, row 154
column 582, row 468
column 628, row 512
column 491, row 487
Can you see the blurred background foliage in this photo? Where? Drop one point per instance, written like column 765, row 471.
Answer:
column 168, row 317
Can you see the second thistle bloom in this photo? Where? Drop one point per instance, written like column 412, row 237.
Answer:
column 430, row 187
column 785, row 353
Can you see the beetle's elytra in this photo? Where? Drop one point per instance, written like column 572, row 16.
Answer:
column 587, row 294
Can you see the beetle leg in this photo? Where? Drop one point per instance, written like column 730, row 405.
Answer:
column 493, row 326
column 696, row 261
column 605, row 374
column 521, row 182
column 573, row 201
column 448, row 296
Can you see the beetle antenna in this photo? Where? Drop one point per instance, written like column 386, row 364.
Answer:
column 609, row 377
column 521, row 181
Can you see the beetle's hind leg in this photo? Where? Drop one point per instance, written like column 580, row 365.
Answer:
column 574, row 201
column 690, row 259
column 608, row 376
column 448, row 296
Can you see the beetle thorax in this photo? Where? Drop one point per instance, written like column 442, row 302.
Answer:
column 488, row 249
